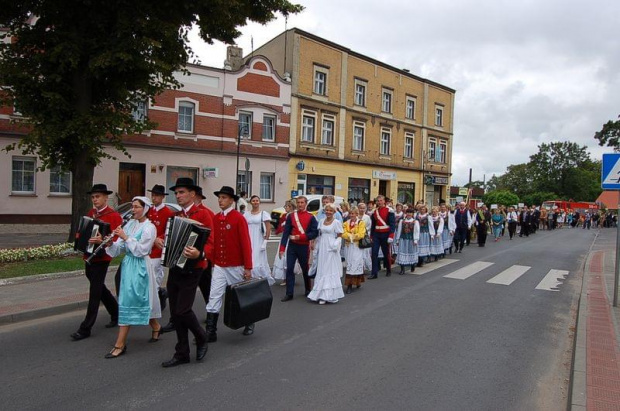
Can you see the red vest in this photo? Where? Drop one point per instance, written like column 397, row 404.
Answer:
column 159, row 220
column 111, row 217
column 232, row 246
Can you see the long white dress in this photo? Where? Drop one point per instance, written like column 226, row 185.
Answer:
column 256, row 226
column 367, row 251
column 327, row 284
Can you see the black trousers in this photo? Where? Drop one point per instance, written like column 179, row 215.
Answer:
column 380, row 240
column 98, row 293
column 481, row 231
column 181, row 287
column 460, row 236
column 525, row 230
column 301, row 253
column 512, row 228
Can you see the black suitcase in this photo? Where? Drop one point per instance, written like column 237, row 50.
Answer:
column 247, row 302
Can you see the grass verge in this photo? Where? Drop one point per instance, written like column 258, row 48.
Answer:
column 49, row 266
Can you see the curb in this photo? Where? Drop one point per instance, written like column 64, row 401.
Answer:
column 51, row 276
column 42, row 312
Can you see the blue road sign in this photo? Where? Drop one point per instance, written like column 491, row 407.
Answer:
column 610, row 174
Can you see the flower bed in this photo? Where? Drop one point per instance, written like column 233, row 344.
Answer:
column 36, row 253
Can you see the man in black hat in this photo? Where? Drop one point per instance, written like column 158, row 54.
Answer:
column 182, row 283
column 98, row 267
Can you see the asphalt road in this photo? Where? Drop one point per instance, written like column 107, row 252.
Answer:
column 423, row 342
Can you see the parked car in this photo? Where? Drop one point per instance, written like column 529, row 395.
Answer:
column 125, row 208
column 314, row 205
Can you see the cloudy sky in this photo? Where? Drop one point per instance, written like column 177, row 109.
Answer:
column 525, row 71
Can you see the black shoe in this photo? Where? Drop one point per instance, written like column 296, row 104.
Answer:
column 77, row 336
column 212, row 327
column 110, row 355
column 173, row 362
column 249, row 329
column 168, row 328
column 349, row 289
column 402, row 270
column 155, row 335
column 372, row 277
column 111, row 324
column 412, row 267
column 201, row 351
column 287, row 298
column 388, row 273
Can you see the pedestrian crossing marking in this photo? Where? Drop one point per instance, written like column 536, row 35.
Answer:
column 432, row 266
column 509, row 275
column 469, row 270
column 552, row 280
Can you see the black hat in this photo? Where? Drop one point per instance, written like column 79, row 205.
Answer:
column 99, row 188
column 200, row 194
column 158, row 189
column 227, row 191
column 185, row 182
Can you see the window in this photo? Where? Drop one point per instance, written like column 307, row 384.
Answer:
column 438, row 116
column 269, row 128
column 410, row 108
column 60, row 181
column 244, row 181
column 386, row 105
column 307, row 127
column 408, row 145
column 432, row 144
column 245, row 125
column 358, row 136
column 139, row 112
column 360, row 93
column 22, row 175
column 441, row 153
column 386, row 137
column 320, row 81
column 327, row 131
column 266, row 186
column 186, row 117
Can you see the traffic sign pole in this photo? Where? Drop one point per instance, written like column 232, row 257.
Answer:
column 617, row 276
column 610, row 176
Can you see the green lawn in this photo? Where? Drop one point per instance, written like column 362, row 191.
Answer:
column 34, row 267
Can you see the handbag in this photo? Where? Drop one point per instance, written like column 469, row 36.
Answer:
column 365, row 242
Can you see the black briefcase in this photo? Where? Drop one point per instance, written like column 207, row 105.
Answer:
column 247, row 302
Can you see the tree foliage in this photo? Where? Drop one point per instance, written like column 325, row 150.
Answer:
column 500, row 197
column 609, row 135
column 76, row 69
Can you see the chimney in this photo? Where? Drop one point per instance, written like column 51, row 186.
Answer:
column 234, row 58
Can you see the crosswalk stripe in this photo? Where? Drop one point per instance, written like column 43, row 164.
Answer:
column 469, row 270
column 509, row 275
column 552, row 280
column 432, row 266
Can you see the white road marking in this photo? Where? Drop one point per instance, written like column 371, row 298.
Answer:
column 469, row 270
column 509, row 275
column 552, row 280
column 430, row 266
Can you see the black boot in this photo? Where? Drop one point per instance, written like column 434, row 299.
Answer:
column 420, row 261
column 168, row 327
column 402, row 270
column 249, row 329
column 349, row 289
column 412, row 267
column 450, row 249
column 212, row 327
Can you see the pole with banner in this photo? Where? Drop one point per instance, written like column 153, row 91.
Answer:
column 610, row 177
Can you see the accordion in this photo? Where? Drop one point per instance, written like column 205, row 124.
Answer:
column 247, row 302
column 180, row 233
column 88, row 228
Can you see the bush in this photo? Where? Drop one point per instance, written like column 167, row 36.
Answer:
column 36, row 253
column 500, row 197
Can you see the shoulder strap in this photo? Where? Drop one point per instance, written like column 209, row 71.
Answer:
column 299, row 226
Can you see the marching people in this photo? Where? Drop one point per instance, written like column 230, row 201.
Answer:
column 204, row 285
column 279, row 264
column 382, row 233
column 427, row 232
column 449, row 226
column 462, row 222
column 182, row 282
column 259, row 224
column 327, row 286
column 524, row 220
column 512, row 219
column 354, row 231
column 231, row 256
column 365, row 217
column 437, row 223
column 482, row 221
column 301, row 227
column 98, row 267
column 497, row 221
column 138, row 301
column 407, row 237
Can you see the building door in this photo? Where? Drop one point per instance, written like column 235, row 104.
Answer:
column 383, row 188
column 130, row 181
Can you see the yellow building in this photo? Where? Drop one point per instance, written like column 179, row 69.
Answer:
column 360, row 127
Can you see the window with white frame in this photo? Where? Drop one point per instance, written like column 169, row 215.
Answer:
column 186, row 117
column 432, row 148
column 386, row 101
column 358, row 136
column 60, row 181
column 409, row 140
column 308, row 121
column 245, row 125
column 441, row 153
column 266, row 186
column 320, row 80
column 23, row 175
column 269, row 128
column 360, row 92
column 410, row 108
column 327, row 131
column 139, row 111
column 438, row 116
column 386, row 141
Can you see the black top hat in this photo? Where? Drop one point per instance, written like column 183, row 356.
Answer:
column 158, row 189
column 227, row 191
column 200, row 194
column 185, row 182
column 99, row 188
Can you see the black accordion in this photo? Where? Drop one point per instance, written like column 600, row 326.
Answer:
column 247, row 302
column 88, row 228
column 180, row 233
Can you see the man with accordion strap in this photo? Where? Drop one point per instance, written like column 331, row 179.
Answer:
column 97, row 269
column 182, row 282
column 232, row 256
column 205, row 279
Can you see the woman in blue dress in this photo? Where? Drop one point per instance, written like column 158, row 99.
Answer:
column 137, row 302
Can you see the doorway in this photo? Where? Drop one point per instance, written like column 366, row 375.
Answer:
column 130, row 181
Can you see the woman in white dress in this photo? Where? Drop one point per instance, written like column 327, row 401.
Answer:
column 259, row 225
column 366, row 219
column 354, row 231
column 327, row 285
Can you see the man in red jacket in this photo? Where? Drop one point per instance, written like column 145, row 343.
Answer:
column 231, row 257
column 98, row 268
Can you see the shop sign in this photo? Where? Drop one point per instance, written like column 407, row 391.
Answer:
column 463, row 191
column 210, row 172
column 436, row 181
column 384, row 175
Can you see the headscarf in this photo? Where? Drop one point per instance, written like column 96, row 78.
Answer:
column 147, row 204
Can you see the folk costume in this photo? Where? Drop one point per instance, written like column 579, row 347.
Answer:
column 354, row 231
column 159, row 217
column 367, row 251
column 382, row 234
column 437, row 249
column 407, row 238
column 462, row 223
column 483, row 219
column 256, row 226
column 327, row 285
column 447, row 234
column 427, row 232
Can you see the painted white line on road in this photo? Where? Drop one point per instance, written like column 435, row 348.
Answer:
column 469, row 270
column 552, row 280
column 431, row 266
column 509, row 275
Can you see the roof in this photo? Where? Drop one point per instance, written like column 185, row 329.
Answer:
column 609, row 199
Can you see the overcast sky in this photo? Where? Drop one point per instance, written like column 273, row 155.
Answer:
column 525, row 71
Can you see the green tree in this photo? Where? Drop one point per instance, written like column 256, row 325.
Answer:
column 609, row 135
column 539, row 197
column 550, row 166
column 77, row 69
column 500, row 197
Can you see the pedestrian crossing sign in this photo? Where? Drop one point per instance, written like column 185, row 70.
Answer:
column 610, row 174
